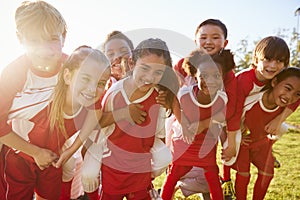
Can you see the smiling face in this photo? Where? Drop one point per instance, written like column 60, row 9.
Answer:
column 286, row 92
column 44, row 53
column 209, row 78
column 267, row 68
column 87, row 84
column 148, row 71
column 211, row 39
column 117, row 50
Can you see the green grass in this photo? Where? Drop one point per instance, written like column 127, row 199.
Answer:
column 286, row 181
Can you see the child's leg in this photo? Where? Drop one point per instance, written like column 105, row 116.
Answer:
column 90, row 172
column 214, row 184
column 226, row 173
column 264, row 161
column 241, row 185
column 161, row 157
column 174, row 174
column 261, row 186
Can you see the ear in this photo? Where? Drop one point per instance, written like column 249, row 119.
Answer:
column 225, row 43
column 130, row 63
column 19, row 37
column 67, row 76
column 274, row 82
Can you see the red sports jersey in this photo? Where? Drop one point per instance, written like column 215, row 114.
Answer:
column 14, row 79
column 202, row 152
column 128, row 168
column 256, row 116
column 248, row 85
column 230, row 86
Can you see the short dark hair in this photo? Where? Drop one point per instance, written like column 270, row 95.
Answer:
column 215, row 22
column 118, row 35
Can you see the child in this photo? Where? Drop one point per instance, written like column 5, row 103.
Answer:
column 283, row 90
column 270, row 56
column 198, row 102
column 211, row 36
column 81, row 82
column 118, row 49
column 127, row 171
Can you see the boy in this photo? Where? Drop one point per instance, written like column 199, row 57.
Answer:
column 41, row 29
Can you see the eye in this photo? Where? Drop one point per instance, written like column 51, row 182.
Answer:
column 110, row 54
column 266, row 59
column 85, row 79
column 159, row 73
column 203, row 76
column 287, row 88
column 218, row 76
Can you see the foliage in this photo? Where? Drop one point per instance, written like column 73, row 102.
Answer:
column 244, row 50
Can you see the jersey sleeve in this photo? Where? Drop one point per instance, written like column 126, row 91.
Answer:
column 234, row 122
column 230, row 85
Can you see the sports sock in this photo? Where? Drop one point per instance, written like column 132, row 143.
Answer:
column 226, row 173
column 241, row 185
column 214, row 185
column 66, row 190
column 261, row 186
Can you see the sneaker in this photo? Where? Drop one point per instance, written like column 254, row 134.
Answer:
column 277, row 163
column 154, row 194
column 228, row 190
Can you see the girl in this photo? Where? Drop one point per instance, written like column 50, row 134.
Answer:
column 282, row 91
column 81, row 82
column 127, row 171
column 118, row 49
column 199, row 102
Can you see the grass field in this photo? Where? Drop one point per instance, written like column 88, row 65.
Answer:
column 286, row 182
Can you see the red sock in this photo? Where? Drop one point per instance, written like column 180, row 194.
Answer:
column 93, row 195
column 226, row 173
column 214, row 184
column 241, row 185
column 261, row 186
column 66, row 190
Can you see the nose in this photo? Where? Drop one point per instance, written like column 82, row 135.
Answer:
column 149, row 77
column 92, row 88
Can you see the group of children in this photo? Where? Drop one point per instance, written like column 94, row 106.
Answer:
column 136, row 116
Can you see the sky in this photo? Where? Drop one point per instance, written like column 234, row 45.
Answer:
column 89, row 21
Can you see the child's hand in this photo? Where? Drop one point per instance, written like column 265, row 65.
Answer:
column 64, row 157
column 137, row 115
column 228, row 153
column 187, row 135
column 44, row 158
column 246, row 140
column 161, row 99
column 273, row 126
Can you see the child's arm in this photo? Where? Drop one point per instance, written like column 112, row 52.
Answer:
column 42, row 157
column 90, row 123
column 274, row 126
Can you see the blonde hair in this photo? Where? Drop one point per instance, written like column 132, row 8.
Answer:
column 73, row 63
column 33, row 17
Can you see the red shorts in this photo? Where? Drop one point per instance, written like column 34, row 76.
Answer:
column 138, row 195
column 20, row 178
column 259, row 153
